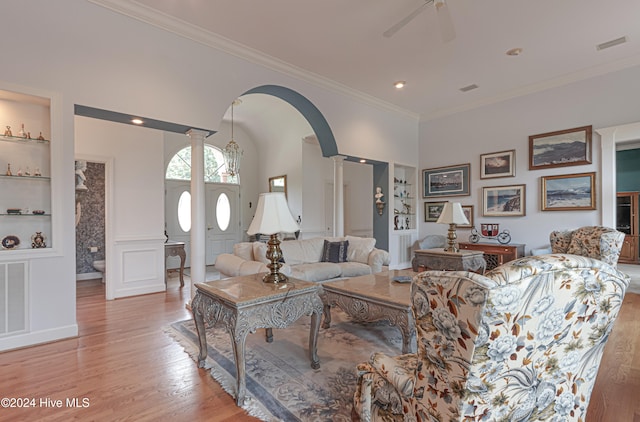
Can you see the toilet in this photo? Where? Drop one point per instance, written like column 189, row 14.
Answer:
column 100, row 266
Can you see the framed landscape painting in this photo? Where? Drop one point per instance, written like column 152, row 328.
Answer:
column 569, row 192
column 432, row 211
column 504, row 201
column 571, row 147
column 446, row 181
column 498, row 164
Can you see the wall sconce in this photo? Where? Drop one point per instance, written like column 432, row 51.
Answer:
column 379, row 203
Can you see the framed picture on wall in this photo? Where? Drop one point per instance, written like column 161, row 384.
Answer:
column 570, row 147
column 504, row 201
column 569, row 192
column 468, row 212
column 446, row 181
column 432, row 211
column 498, row 164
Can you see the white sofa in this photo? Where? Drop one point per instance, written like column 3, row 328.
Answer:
column 303, row 259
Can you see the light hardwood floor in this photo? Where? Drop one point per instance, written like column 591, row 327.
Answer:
column 128, row 369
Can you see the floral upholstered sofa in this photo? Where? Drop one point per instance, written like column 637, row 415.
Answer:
column 308, row 259
column 523, row 342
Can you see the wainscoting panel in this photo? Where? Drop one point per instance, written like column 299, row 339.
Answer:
column 138, row 268
column 13, row 298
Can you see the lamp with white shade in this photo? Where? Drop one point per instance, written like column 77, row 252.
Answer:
column 452, row 214
column 273, row 217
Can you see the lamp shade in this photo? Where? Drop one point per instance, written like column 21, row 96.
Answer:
column 272, row 215
column 452, row 213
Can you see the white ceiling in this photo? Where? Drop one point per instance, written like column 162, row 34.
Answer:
column 340, row 42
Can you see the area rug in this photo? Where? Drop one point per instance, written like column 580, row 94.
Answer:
column 281, row 385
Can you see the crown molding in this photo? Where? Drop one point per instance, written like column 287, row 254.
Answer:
column 195, row 33
column 541, row 86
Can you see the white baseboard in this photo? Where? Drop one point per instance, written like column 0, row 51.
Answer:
column 38, row 337
column 88, row 276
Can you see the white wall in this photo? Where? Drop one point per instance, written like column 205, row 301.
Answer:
column 602, row 101
column 88, row 55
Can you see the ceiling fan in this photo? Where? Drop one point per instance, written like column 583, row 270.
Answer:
column 447, row 32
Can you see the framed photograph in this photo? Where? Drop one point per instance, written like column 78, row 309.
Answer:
column 432, row 211
column 446, row 181
column 504, row 201
column 468, row 212
column 498, row 164
column 571, row 147
column 569, row 192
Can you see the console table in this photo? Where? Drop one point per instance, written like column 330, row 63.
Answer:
column 172, row 248
column 241, row 305
column 495, row 254
column 439, row 259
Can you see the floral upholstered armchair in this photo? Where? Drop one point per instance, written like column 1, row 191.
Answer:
column 598, row 242
column 522, row 342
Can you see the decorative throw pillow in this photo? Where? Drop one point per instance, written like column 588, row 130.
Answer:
column 335, row 251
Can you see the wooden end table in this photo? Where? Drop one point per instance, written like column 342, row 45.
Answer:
column 439, row 259
column 241, row 305
column 172, row 248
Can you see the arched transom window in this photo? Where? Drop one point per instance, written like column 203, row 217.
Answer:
column 179, row 167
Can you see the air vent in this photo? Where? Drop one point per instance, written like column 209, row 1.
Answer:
column 468, row 88
column 611, row 43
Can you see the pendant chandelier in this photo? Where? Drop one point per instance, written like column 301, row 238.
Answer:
column 232, row 152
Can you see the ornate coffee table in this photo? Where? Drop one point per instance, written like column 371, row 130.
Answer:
column 241, row 305
column 374, row 297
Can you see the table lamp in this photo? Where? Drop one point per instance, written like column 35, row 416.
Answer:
column 452, row 214
column 273, row 217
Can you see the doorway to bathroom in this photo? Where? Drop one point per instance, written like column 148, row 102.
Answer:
column 90, row 219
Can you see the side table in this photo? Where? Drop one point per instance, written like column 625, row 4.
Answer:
column 495, row 254
column 241, row 305
column 439, row 259
column 172, row 248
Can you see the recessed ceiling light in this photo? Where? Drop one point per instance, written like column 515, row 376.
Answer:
column 514, row 52
column 611, row 43
column 468, row 87
column 363, row 161
column 399, row 84
column 137, row 121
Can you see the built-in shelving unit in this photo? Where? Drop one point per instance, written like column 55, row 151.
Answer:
column 404, row 198
column 25, row 172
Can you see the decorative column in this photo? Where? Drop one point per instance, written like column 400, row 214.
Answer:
column 198, row 210
column 338, row 195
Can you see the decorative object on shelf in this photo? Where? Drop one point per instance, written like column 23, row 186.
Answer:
column 37, row 172
column 452, row 215
column 8, row 173
column 504, row 201
column 432, row 211
column 38, row 240
column 232, row 152
column 40, row 137
column 27, row 172
column 38, row 212
column 19, row 173
column 498, row 164
column 14, row 211
column 81, row 167
column 10, row 242
column 446, row 181
column 7, row 131
column 273, row 217
column 570, row 147
column 569, row 192
column 490, row 231
column 379, row 202
column 22, row 133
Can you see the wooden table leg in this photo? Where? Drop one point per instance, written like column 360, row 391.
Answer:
column 183, row 257
column 313, row 340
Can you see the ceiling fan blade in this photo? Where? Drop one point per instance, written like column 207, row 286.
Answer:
column 447, row 30
column 398, row 26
